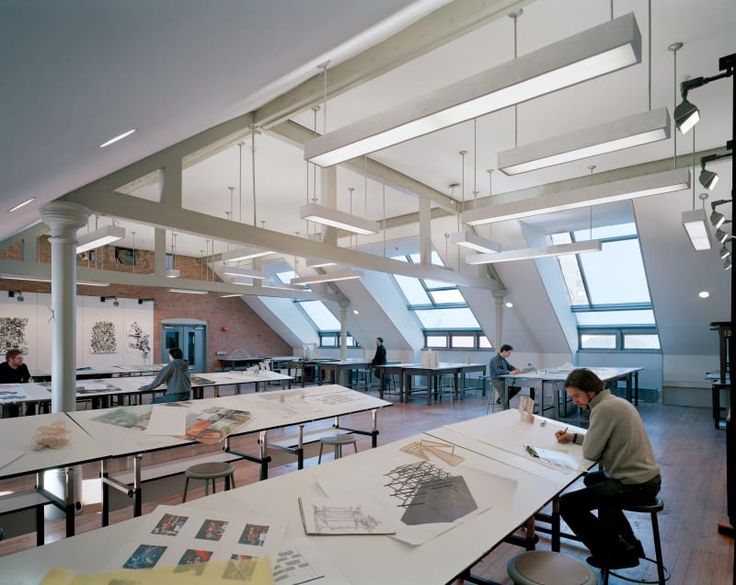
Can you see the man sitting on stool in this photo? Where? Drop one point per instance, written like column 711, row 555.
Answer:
column 176, row 376
column 500, row 366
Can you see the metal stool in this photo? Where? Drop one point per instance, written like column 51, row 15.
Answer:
column 663, row 573
column 549, row 568
column 210, row 472
column 338, row 441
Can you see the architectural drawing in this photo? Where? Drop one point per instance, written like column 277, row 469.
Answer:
column 429, row 494
column 13, row 334
column 424, row 448
column 138, row 339
column 341, row 518
column 102, row 339
column 291, row 568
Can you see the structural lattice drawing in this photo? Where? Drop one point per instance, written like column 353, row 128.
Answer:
column 103, row 338
column 13, row 334
column 340, row 518
column 407, row 479
column 429, row 494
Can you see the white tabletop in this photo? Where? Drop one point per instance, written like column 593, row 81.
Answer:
column 559, row 375
column 363, row 560
column 16, row 393
column 18, row 435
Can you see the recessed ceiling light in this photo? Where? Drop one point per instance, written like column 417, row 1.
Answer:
column 17, row 207
column 117, row 138
column 509, row 305
column 703, row 294
column 356, row 312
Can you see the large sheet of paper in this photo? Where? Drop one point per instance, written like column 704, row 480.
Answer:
column 166, row 420
column 425, row 497
column 211, row 544
column 12, row 393
column 333, row 516
column 214, row 423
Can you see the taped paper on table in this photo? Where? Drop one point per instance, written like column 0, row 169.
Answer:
column 554, row 457
column 333, row 516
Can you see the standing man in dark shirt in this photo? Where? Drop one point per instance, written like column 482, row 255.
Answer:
column 379, row 359
column 13, row 370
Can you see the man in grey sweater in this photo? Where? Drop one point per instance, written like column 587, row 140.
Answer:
column 176, row 376
column 616, row 436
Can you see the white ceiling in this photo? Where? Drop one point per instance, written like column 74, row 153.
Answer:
column 77, row 73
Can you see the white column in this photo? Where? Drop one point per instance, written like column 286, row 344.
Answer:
column 498, row 296
column 343, row 331
column 63, row 219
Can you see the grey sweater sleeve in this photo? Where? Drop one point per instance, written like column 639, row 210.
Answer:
column 163, row 375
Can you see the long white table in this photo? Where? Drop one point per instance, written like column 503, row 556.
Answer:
column 101, row 390
column 555, row 377
column 272, row 410
column 362, row 560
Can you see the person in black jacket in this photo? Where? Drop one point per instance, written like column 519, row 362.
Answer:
column 13, row 370
column 380, row 358
column 176, row 376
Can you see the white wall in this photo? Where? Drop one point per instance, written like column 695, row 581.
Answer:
column 35, row 307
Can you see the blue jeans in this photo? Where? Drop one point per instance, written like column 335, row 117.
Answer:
column 178, row 397
column 601, row 534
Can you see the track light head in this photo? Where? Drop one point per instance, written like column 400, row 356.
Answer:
column 717, row 219
column 686, row 116
column 708, row 179
column 722, row 236
column 727, row 263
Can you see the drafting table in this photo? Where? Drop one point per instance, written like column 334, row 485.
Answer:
column 271, row 410
column 555, row 377
column 439, row 560
column 434, row 376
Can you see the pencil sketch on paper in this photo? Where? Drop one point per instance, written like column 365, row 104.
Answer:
column 429, row 494
column 13, row 334
column 102, row 339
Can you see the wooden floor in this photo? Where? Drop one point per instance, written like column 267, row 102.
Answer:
column 689, row 450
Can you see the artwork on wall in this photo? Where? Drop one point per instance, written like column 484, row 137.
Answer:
column 103, row 338
column 138, row 339
column 13, row 334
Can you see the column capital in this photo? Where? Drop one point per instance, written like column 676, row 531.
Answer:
column 64, row 218
column 499, row 294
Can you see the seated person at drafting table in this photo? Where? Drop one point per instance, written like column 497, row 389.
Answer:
column 630, row 473
column 500, row 366
column 13, row 370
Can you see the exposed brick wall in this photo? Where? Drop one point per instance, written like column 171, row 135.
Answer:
column 246, row 331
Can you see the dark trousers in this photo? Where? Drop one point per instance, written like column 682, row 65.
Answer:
column 601, row 534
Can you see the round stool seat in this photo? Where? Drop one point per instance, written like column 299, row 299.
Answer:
column 342, row 439
column 211, row 470
column 653, row 508
column 549, row 568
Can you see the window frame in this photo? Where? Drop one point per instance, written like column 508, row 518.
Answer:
column 620, row 333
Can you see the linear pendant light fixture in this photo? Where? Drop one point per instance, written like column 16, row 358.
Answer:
column 241, row 254
column 695, row 223
column 472, row 241
column 334, row 276
column 318, row 263
column 597, row 51
column 635, row 130
column 338, row 219
column 622, row 190
column 101, row 237
column 246, row 273
column 531, row 253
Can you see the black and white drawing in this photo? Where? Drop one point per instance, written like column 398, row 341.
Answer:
column 103, row 338
column 429, row 494
column 330, row 516
column 138, row 339
column 13, row 334
column 291, row 568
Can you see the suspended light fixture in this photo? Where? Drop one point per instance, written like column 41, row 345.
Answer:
column 172, row 272
column 695, row 223
column 622, row 190
column 727, row 263
column 721, row 235
column 686, row 116
column 241, row 254
column 335, row 276
column 531, row 253
column 246, row 273
column 634, row 130
column 101, row 237
column 328, row 216
column 600, row 50
column 473, row 241
column 317, row 263
column 724, row 252
column 708, row 179
column 188, row 291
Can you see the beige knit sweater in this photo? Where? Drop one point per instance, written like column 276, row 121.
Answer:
column 617, row 437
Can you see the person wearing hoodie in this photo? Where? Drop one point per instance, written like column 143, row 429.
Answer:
column 176, row 376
